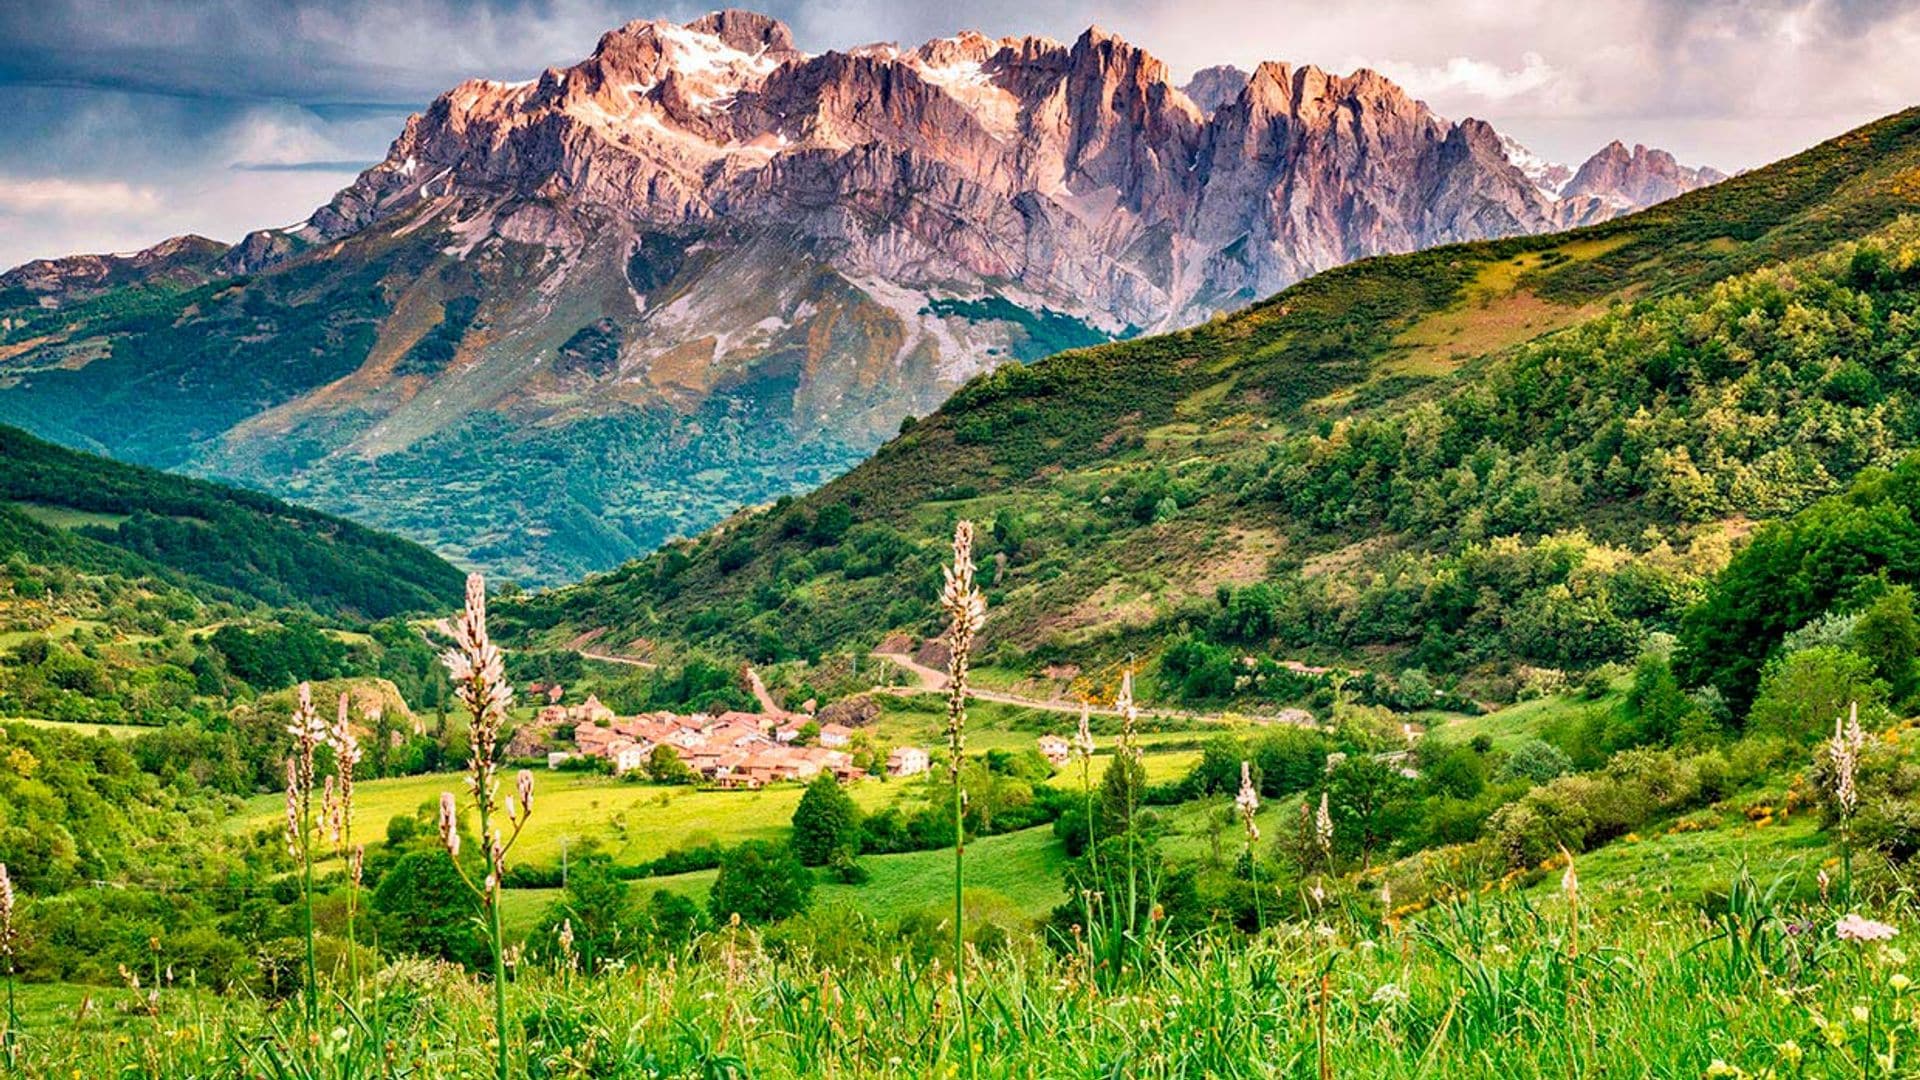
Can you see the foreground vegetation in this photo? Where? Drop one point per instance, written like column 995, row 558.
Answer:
column 1493, row 986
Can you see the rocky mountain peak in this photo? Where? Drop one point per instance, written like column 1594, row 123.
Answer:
column 1624, row 178
column 179, row 260
column 1212, row 87
column 747, row 31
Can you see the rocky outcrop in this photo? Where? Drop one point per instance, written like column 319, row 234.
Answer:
column 1627, row 179
column 182, row 260
column 1215, row 86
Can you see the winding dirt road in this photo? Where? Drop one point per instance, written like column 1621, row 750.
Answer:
column 933, row 680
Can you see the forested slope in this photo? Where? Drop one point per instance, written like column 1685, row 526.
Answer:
column 62, row 507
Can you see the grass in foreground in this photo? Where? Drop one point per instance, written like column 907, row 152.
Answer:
column 1495, row 989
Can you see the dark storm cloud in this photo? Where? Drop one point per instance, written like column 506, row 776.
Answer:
column 130, row 119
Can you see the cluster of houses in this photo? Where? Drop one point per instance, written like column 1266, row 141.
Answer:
column 729, row 749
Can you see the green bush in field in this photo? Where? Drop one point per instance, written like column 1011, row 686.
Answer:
column 761, row 882
column 826, row 824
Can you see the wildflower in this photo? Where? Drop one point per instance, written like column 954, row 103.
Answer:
column 1570, row 880
column 1389, row 995
column 305, row 725
column 966, row 609
column 1083, row 737
column 1826, row 883
column 1844, row 751
column 1853, row 927
column 1790, row 1052
column 1248, row 802
column 476, row 666
column 6, row 916
column 1899, row 982
column 1323, row 826
column 330, row 812
column 1319, row 894
column 293, row 808
column 346, row 756
column 1129, row 712
column 1386, row 897
column 449, row 824
column 346, row 746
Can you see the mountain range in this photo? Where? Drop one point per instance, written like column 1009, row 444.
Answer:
column 566, row 319
column 1485, row 463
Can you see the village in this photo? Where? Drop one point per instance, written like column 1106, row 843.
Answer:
column 728, row 749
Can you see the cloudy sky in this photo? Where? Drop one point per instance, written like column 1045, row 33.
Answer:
column 127, row 121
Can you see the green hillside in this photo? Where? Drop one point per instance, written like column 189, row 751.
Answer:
column 1477, row 462
column 63, row 508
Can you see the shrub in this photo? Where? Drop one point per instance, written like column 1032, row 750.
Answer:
column 826, row 824
column 762, row 882
column 1802, row 694
column 1535, row 761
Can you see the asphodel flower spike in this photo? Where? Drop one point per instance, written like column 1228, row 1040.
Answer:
column 1248, row 801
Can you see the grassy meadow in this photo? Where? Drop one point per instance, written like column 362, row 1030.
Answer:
column 1501, row 986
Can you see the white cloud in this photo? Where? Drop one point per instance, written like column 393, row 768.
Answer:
column 75, row 198
column 1464, row 75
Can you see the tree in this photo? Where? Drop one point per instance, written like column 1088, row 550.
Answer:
column 664, row 766
column 1289, row 760
column 1366, row 799
column 1888, row 634
column 671, row 918
column 1218, row 769
column 1794, row 570
column 1535, row 761
column 1802, row 694
column 1453, row 769
column 1655, row 711
column 595, row 906
column 1121, row 788
column 418, row 905
column 762, row 882
column 826, row 824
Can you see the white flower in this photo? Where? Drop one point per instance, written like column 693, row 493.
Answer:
column 306, row 727
column 6, row 914
column 1389, row 995
column 1844, row 750
column 1083, row 738
column 1853, row 927
column 523, row 787
column 1248, row 801
column 346, row 748
column 449, row 824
